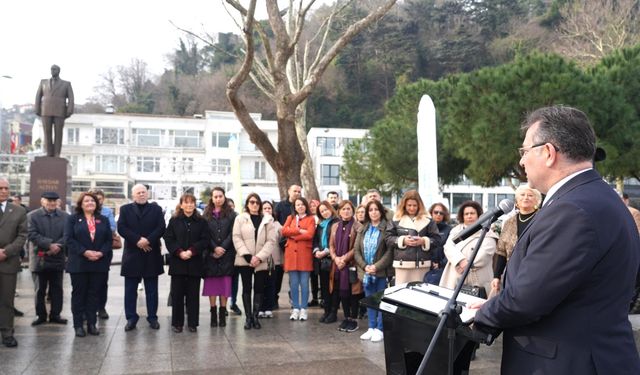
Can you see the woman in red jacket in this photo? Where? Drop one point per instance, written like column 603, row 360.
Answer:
column 298, row 260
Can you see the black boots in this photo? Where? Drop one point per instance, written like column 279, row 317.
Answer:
column 246, row 301
column 214, row 316
column 257, row 302
column 223, row 316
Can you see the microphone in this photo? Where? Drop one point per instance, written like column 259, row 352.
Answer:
column 492, row 215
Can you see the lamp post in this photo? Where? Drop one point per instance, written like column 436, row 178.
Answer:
column 1, row 108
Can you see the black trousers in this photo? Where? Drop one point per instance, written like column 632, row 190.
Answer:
column 259, row 280
column 279, row 275
column 185, row 288
column 102, row 295
column 349, row 301
column 7, row 294
column 84, row 296
column 324, row 287
column 53, row 279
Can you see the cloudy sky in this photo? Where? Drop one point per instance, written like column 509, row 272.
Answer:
column 86, row 38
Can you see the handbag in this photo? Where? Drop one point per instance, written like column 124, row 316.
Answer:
column 325, row 264
column 116, row 241
column 353, row 275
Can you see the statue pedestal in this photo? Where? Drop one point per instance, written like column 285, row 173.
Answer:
column 50, row 174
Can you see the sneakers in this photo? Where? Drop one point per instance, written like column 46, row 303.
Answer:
column 377, row 335
column 343, row 325
column 295, row 314
column 268, row 314
column 367, row 335
column 352, row 326
column 303, row 314
column 261, row 314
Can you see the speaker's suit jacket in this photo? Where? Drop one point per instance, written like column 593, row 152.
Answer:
column 568, row 285
column 54, row 98
column 13, row 234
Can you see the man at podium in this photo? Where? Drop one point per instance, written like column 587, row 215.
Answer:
column 563, row 309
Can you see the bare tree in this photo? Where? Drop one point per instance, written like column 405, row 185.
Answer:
column 287, row 72
column 591, row 29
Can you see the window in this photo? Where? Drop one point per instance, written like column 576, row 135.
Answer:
column 73, row 160
column 259, row 170
column 80, row 186
column 327, row 146
column 109, row 136
column 148, row 164
column 220, row 140
column 147, row 137
column 221, row 166
column 73, row 136
column 186, row 138
column 111, row 188
column 330, row 174
column 182, row 165
column 110, row 164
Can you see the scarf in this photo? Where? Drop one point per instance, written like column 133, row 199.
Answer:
column 324, row 238
column 370, row 245
column 343, row 234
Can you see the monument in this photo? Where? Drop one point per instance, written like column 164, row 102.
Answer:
column 54, row 104
column 427, row 153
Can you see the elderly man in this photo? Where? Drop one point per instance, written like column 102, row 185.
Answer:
column 13, row 235
column 46, row 233
column 567, row 287
column 54, row 103
column 142, row 225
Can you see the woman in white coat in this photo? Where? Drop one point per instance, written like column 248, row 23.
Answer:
column 458, row 254
column 254, row 237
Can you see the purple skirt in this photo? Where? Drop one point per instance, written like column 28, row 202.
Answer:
column 217, row 286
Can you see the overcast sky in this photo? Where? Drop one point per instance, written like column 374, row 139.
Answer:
column 85, row 38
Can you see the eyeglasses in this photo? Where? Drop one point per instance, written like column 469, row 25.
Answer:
column 253, row 202
column 438, row 213
column 524, row 150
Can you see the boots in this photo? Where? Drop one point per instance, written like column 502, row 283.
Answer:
column 246, row 301
column 214, row 316
column 257, row 302
column 223, row 316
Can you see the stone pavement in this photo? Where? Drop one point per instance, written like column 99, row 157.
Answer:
column 280, row 347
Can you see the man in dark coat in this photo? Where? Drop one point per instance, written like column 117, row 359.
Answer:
column 46, row 232
column 142, row 225
column 13, row 235
column 563, row 308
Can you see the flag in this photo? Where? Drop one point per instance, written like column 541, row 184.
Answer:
column 14, row 142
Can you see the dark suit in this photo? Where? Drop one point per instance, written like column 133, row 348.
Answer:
column 13, row 234
column 87, row 277
column 137, row 221
column 54, row 103
column 568, row 285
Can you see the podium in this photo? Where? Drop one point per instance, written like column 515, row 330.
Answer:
column 409, row 323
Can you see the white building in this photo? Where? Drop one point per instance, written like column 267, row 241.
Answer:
column 113, row 152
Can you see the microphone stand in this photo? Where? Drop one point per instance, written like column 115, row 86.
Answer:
column 450, row 316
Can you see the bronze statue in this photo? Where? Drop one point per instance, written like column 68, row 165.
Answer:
column 54, row 103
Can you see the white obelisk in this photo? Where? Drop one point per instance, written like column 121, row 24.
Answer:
column 427, row 153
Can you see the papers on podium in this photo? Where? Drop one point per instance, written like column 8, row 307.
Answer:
column 429, row 298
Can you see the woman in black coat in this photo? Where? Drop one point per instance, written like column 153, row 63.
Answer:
column 186, row 238
column 88, row 240
column 219, row 256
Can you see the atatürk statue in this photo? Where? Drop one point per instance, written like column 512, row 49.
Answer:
column 54, row 103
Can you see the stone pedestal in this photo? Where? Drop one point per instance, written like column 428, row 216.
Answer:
column 50, row 174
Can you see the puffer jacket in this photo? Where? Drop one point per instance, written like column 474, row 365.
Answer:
column 246, row 242
column 414, row 256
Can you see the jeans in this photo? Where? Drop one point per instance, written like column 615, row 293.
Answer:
column 299, row 284
column 131, row 298
column 375, row 316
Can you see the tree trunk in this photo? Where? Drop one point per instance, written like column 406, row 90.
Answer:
column 306, row 175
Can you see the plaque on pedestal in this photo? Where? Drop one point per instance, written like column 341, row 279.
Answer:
column 50, row 174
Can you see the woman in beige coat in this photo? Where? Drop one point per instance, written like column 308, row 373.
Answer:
column 254, row 237
column 458, row 254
